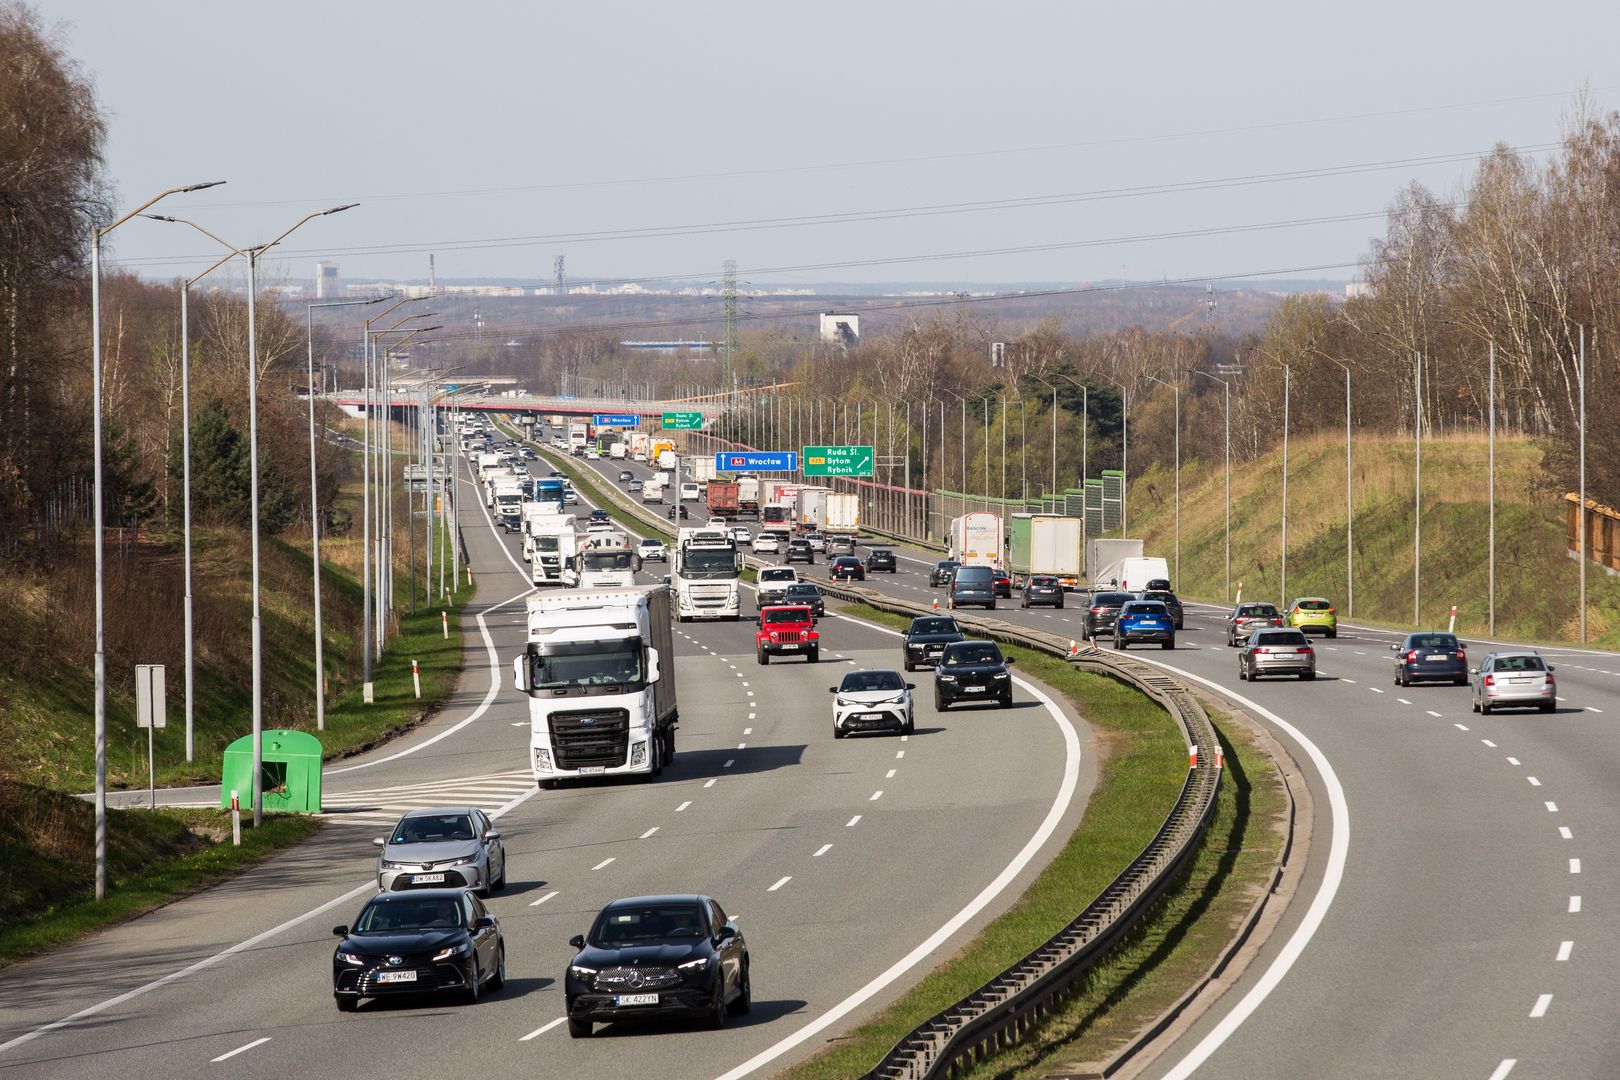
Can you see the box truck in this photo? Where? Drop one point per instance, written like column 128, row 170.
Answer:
column 722, row 499
column 812, row 511
column 747, row 495
column 1046, row 544
column 1105, row 561
column 843, row 514
column 1136, row 572
column 974, row 539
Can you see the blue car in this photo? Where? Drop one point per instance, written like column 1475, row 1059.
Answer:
column 1145, row 620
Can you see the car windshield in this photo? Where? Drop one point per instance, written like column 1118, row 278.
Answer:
column 1144, row 607
column 946, row 565
column 652, row 543
column 1286, row 637
column 1257, row 611
column 787, row 615
column 1431, row 641
column 880, row 553
column 433, row 829
column 607, row 560
column 1158, row 594
column 973, row 575
column 798, row 590
column 933, row 626
column 973, row 654
column 859, row 682
column 1518, row 663
column 1313, row 605
column 776, row 575
column 417, row 913
column 605, row 663
column 637, row 924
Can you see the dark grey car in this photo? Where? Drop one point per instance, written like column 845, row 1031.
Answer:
column 1042, row 589
column 972, row 585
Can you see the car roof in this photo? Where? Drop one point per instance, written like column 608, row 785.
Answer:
column 638, row 901
column 1515, row 652
column 407, row 895
column 435, row 811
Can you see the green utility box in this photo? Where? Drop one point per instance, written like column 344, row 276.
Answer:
column 291, row 770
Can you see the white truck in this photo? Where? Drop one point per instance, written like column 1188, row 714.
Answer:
column 748, row 495
column 652, row 491
column 975, row 539
column 1046, row 544
column 812, row 511
column 666, row 460
column 508, row 507
column 843, row 514
column 599, row 673
column 492, row 477
column 706, row 575
column 690, row 492
column 1137, row 571
column 618, row 451
column 700, row 469
column 579, row 433
column 1105, row 561
column 606, row 562
column 486, row 462
column 550, row 546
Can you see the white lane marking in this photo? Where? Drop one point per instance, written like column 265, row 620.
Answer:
column 683, row 806
column 1574, row 866
column 520, row 723
column 1503, row 1069
column 745, row 682
column 709, row 784
column 1593, row 708
column 1564, row 949
column 1552, row 807
column 748, row 731
column 1574, row 905
column 851, row 822
column 241, row 1049
column 1533, row 781
column 649, row 832
column 1436, row 715
column 822, row 850
column 742, row 746
column 1512, row 761
column 1488, row 743
column 752, row 716
column 1343, row 679
column 904, row 738
column 544, row 898
column 729, row 763
column 1403, row 701
column 876, row 795
column 1375, row 689
column 750, row 693
column 1539, row 1009
column 891, row 773
column 605, row 862
column 899, row 754
column 1563, row 830
column 542, row 1029
column 781, row 882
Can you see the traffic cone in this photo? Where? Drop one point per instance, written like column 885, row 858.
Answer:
column 936, row 603
column 1074, row 648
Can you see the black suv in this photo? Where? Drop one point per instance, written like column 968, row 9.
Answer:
column 972, row 671
column 1042, row 589
column 799, row 550
column 600, row 515
column 806, row 594
column 1102, row 613
column 941, row 573
column 1167, row 598
column 881, row 559
column 846, row 567
column 926, row 638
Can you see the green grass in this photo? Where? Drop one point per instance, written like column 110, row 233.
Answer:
column 1142, row 767
column 47, row 880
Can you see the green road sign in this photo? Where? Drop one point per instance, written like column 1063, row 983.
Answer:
column 837, row 461
column 683, row 421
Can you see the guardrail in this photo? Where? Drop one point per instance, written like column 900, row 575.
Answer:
column 998, row 1013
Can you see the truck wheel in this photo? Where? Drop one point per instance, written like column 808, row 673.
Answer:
column 764, row 657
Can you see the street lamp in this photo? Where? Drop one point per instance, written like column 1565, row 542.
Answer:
column 252, row 255
column 97, row 233
column 1177, row 392
column 1052, row 388
column 315, row 510
column 1226, row 386
column 1124, row 452
column 1085, row 424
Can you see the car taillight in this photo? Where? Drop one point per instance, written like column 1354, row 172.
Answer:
column 1330, row 611
column 1490, row 680
column 1098, row 610
column 1411, row 654
column 1461, row 655
column 1261, row 649
column 1306, row 649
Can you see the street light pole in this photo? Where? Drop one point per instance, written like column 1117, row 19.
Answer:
column 1226, row 388
column 1349, row 506
column 1581, row 517
column 1177, row 391
column 1417, row 496
column 1490, row 441
column 1288, row 374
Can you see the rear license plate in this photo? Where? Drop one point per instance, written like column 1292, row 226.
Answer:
column 973, row 689
column 396, row 976
column 1436, row 656
column 633, row 999
column 425, row 879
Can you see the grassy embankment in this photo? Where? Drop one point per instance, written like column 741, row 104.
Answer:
column 1536, row 583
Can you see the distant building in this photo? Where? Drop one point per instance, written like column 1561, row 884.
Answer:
column 327, row 286
column 1358, row 290
column 840, row 327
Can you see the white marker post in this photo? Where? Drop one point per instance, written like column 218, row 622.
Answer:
column 236, row 819
column 444, row 624
column 150, row 714
column 1451, row 627
column 416, row 678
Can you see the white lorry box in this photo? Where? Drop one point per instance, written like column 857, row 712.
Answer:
column 666, row 460
column 508, row 502
column 843, row 514
column 975, row 539
column 812, row 512
column 486, row 462
column 618, row 451
column 1136, row 572
column 1105, row 560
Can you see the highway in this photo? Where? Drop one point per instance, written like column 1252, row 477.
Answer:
column 852, row 867
column 1458, row 915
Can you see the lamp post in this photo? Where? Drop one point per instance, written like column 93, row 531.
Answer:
column 1417, row 490
column 1490, row 440
column 1227, row 388
column 1350, row 507
column 1052, row 388
column 97, row 234
column 1177, row 391
column 1581, row 517
column 314, row 518
column 1124, row 453
column 1288, row 374
column 252, row 255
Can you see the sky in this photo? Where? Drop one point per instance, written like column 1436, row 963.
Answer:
column 1132, row 140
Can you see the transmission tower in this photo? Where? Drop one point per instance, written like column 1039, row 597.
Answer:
column 729, row 292
column 557, row 269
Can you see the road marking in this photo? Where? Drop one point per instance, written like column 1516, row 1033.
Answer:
column 752, row 716
column 1539, row 1009
column 1552, row 807
column 1533, row 781
column 729, row 763
column 1564, row 949
column 822, row 850
column 1375, row 689
column 876, row 795
column 1350, row 681
column 1503, row 1069
column 899, row 754
column 851, row 822
column 1574, row 866
column 520, row 723
column 1431, row 712
column 1488, row 743
column 904, row 738
column 1512, row 761
column 750, row 693
column 241, row 1049
column 1403, row 701
column 542, row 1029
column 1593, row 708
column 1563, row 830
column 891, row 773
column 544, row 898
column 742, row 746
column 1574, row 905
column 683, row 806
column 748, row 731
column 604, row 862
column 709, row 784
column 780, row 883
column 649, row 832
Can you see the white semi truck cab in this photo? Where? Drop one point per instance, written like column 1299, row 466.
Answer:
column 599, row 672
column 707, row 573
column 551, row 545
column 606, row 562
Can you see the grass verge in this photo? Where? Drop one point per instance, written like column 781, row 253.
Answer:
column 1142, row 766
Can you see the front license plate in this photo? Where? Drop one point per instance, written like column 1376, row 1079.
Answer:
column 973, row 689
column 593, row 768
column 871, row 716
column 787, row 646
column 633, row 999
column 396, row 976
column 425, row 879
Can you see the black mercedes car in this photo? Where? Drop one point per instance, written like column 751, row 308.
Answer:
column 942, row 572
column 881, row 559
column 422, row 941
column 1103, row 611
column 972, row 671
column 1168, row 599
column 846, row 567
column 926, row 639
column 657, row 956
column 1042, row 589
column 806, row 594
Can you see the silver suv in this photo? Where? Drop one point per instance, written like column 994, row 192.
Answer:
column 446, row 847
column 1277, row 652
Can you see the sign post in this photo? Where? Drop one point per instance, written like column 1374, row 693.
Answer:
column 150, row 713
column 683, row 421
column 755, row 461
column 838, row 461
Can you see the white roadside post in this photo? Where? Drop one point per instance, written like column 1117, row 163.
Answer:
column 150, row 713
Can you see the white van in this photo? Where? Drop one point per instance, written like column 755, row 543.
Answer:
column 1135, row 573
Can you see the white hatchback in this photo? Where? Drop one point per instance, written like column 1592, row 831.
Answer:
column 767, row 544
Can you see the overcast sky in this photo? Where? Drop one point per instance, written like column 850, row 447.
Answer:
column 482, row 131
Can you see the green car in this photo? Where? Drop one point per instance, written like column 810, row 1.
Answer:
column 1313, row 613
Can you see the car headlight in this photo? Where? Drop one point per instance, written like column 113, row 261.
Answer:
column 947, row 678
column 840, row 703
column 694, row 965
column 1002, row 675
column 352, row 958
column 579, row 972
column 453, row 950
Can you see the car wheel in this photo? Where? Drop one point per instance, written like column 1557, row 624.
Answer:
column 744, row 1001
column 838, row 732
column 1119, row 642
column 941, row 704
column 1473, row 706
column 717, row 1011
column 1548, row 706
column 911, row 726
column 498, row 978
column 1402, row 680
column 1006, row 700
column 991, row 606
column 1243, row 672
column 1459, row 682
column 500, row 883
column 473, row 983
column 1059, row 605
column 815, row 655
column 1170, row 644
column 345, row 1002
column 764, row 658
column 1307, row 676
column 1025, row 604
column 1484, row 708
column 1332, row 633
column 579, row 1029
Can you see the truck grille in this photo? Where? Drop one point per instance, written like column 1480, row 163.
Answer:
column 789, row 636
column 590, row 738
column 709, row 596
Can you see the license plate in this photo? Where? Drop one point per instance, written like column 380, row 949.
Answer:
column 396, row 976
column 425, row 879
column 632, row 999
column 787, row 646
column 1436, row 656
column 592, row 768
column 973, row 689
column 871, row 716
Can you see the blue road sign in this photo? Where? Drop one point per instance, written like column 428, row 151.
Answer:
column 787, row 461
column 609, row 419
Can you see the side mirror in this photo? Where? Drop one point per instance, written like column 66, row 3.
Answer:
column 832, row 689
column 520, row 672
column 1009, row 661
column 577, row 941
column 1551, row 669
column 652, row 665
column 1395, row 647
column 1473, row 671
column 483, row 922
column 667, row 580
column 726, row 933
column 340, row 931
column 492, row 834
column 911, row 686
column 378, row 841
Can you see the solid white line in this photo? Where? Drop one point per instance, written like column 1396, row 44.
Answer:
column 240, row 1049
column 1574, row 866
column 683, row 806
column 1574, row 905
column 604, row 862
column 1564, row 949
column 1539, row 1009
column 1563, row 830
column 1512, row 761
column 780, row 883
column 542, row 1029
column 850, row 823
column 1552, row 807
column 544, row 898
column 876, row 795
column 822, row 850
column 649, row 832
column 1533, row 781
column 1503, row 1069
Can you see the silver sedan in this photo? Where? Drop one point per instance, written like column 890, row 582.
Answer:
column 1513, row 680
column 455, row 847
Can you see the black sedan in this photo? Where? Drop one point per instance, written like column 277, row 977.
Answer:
column 845, row 568
column 1169, row 600
column 806, row 594
column 926, row 638
column 882, row 559
column 1430, row 657
column 422, row 941
column 942, row 572
column 1042, row 589
column 1001, row 583
column 972, row 671
column 657, row 956
column 600, row 515
column 1102, row 613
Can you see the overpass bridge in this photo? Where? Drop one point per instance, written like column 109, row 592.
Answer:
column 356, row 402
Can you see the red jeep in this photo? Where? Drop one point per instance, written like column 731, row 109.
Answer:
column 786, row 629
